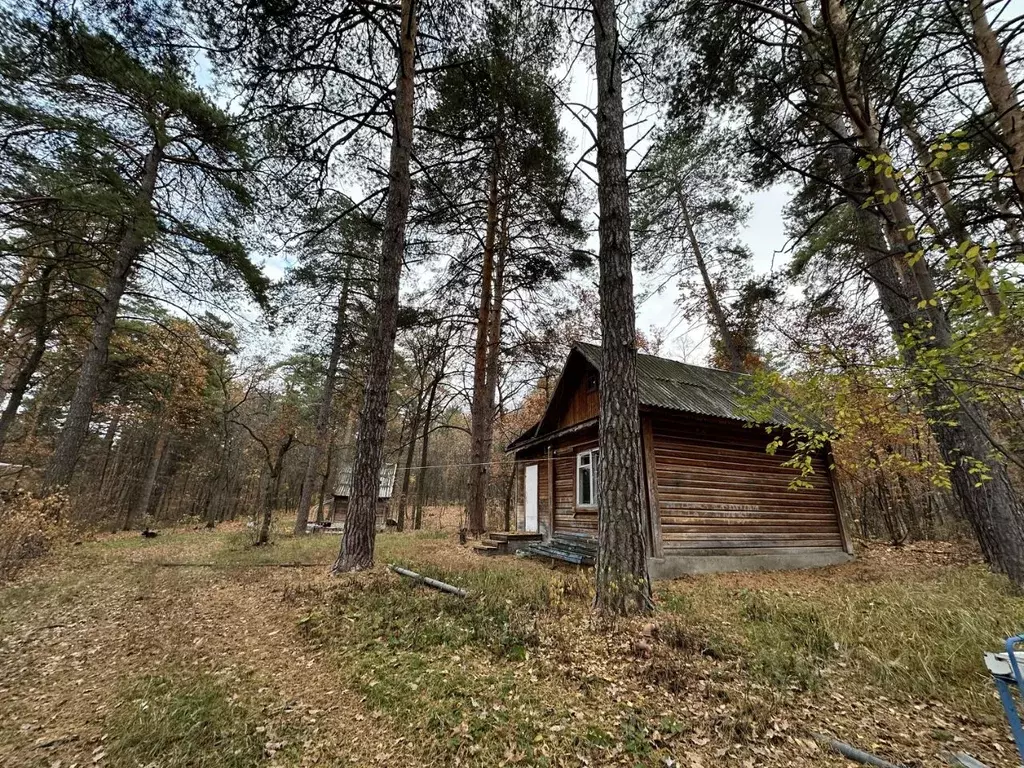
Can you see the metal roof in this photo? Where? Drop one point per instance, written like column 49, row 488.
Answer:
column 343, row 486
column 663, row 383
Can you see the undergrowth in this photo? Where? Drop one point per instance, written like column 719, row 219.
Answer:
column 187, row 721
column 920, row 636
column 452, row 670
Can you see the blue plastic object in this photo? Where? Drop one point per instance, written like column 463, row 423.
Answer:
column 1003, row 683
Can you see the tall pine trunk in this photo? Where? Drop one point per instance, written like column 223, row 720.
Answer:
column 1001, row 91
column 623, row 583
column 480, row 414
column 421, row 477
column 717, row 313
column 360, row 523
column 76, row 426
column 323, row 416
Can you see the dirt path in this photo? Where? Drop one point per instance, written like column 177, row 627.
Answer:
column 71, row 642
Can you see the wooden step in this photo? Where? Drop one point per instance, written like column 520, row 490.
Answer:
column 514, row 536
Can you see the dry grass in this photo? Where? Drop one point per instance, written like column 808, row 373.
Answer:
column 195, row 649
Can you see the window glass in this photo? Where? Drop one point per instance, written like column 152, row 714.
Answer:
column 586, row 479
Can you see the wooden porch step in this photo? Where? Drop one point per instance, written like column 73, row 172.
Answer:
column 577, row 549
column 514, row 536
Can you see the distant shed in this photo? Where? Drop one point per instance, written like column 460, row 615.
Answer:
column 343, row 492
column 715, row 500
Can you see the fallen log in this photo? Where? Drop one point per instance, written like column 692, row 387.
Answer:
column 857, row 755
column 428, row 581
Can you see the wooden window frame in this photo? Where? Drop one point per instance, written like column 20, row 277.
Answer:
column 593, row 453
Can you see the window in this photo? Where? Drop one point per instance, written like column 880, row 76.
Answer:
column 586, row 478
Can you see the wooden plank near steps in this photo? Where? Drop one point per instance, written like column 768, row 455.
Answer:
column 514, row 536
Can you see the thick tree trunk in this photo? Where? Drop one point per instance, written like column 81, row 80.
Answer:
column 1001, row 92
column 480, row 415
column 76, row 426
column 323, row 416
column 993, row 507
column 623, row 583
column 717, row 313
column 421, row 477
column 360, row 524
column 149, row 481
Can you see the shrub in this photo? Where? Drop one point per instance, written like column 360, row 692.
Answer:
column 29, row 528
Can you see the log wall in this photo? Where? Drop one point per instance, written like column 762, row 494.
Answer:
column 568, row 517
column 580, row 405
column 339, row 510
column 718, row 489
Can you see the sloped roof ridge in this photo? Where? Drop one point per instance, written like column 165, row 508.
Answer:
column 594, row 348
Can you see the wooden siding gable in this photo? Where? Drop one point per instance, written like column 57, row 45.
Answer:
column 573, row 401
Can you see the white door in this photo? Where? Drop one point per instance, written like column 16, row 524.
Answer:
column 531, row 498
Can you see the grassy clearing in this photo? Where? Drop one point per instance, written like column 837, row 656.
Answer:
column 456, row 672
column 920, row 634
column 732, row 669
column 184, row 720
column 518, row 672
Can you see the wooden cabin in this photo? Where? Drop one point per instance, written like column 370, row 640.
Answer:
column 715, row 499
column 343, row 491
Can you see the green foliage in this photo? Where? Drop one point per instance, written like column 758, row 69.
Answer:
column 691, row 181
column 497, row 112
column 82, row 106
